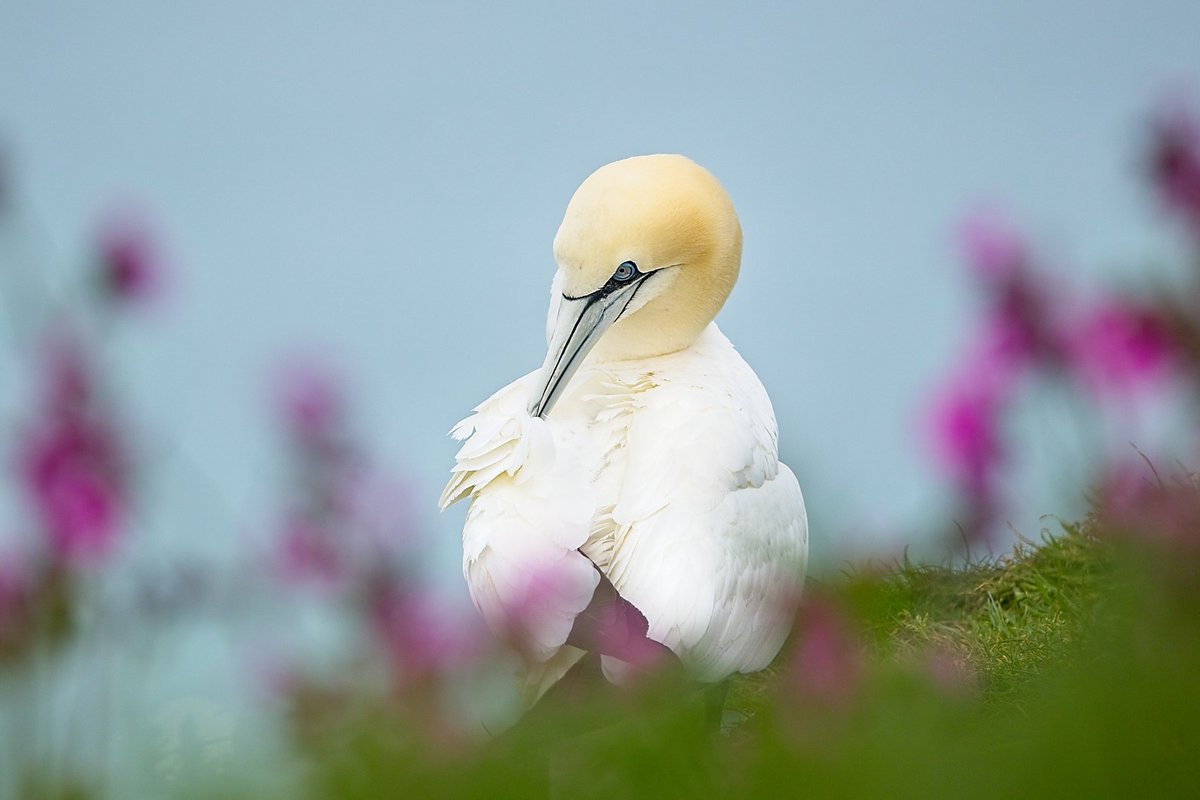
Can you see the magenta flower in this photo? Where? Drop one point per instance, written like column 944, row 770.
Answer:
column 310, row 400
column 1021, row 299
column 422, row 636
column 308, row 553
column 1117, row 347
column 1020, row 332
column 70, row 464
column 827, row 660
column 992, row 246
column 965, row 415
column 1175, row 162
column 130, row 265
column 71, row 471
column 1023, row 317
column 347, row 519
column 1005, row 350
column 1134, row 502
column 965, row 435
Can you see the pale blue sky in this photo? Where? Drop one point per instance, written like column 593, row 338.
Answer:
column 384, row 180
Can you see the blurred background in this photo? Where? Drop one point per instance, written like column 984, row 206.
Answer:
column 347, row 213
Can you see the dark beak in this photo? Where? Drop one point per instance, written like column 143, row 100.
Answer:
column 580, row 324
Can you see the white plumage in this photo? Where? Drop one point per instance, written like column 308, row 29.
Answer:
column 659, row 469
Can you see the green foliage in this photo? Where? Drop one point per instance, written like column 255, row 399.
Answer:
column 1066, row 669
column 1008, row 617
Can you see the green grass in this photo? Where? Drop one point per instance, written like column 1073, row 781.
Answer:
column 998, row 621
column 1063, row 669
column 1006, row 618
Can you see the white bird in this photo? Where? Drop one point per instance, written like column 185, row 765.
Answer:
column 643, row 454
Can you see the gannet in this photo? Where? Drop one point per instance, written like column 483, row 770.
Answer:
column 643, row 455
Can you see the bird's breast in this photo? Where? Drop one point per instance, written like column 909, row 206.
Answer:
column 684, row 428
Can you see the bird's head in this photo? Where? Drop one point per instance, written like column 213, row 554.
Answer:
column 647, row 253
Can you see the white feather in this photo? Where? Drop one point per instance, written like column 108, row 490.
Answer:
column 665, row 472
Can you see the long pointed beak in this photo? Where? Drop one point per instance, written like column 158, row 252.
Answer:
column 580, row 323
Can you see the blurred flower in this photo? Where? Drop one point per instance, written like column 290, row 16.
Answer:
column 347, row 519
column 1021, row 332
column 310, row 400
column 382, row 509
column 1020, row 299
column 70, row 463
column 66, row 380
column 1132, row 502
column 1117, row 346
column 423, row 636
column 965, row 417
column 537, row 605
column 1175, row 162
column 130, row 265
column 1009, row 344
column 991, row 245
column 827, row 659
column 949, row 671
column 308, row 552
column 1022, row 319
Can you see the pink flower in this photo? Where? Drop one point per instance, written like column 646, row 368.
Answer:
column 422, row 636
column 66, row 377
column 1119, row 347
column 130, row 266
column 1022, row 317
column 964, row 430
column 1021, row 299
column 965, row 415
column 380, row 510
column 992, row 246
column 1002, row 353
column 70, row 464
column 1175, row 162
column 310, row 400
column 949, row 671
column 963, row 424
column 71, row 472
column 1135, row 502
column 308, row 552
column 827, row 660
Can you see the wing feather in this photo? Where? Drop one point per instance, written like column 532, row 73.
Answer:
column 531, row 510
column 709, row 534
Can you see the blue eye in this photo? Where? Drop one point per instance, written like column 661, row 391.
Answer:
column 625, row 272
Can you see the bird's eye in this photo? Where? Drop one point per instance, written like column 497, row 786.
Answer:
column 625, row 271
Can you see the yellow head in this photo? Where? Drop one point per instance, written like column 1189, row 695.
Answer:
column 647, row 253
column 668, row 215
